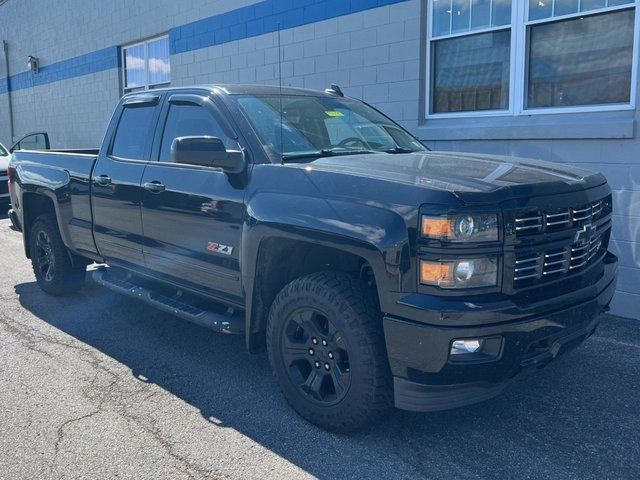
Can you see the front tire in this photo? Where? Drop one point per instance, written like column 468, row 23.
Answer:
column 326, row 348
column 55, row 273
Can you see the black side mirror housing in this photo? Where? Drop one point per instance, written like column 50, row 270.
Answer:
column 207, row 152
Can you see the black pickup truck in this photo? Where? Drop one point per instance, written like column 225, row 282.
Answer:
column 374, row 271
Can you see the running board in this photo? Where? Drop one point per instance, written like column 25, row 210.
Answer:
column 231, row 322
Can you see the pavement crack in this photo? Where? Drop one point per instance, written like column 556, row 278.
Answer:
column 60, row 432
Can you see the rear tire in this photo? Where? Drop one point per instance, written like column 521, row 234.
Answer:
column 326, row 348
column 55, row 273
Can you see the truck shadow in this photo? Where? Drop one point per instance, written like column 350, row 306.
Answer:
column 580, row 418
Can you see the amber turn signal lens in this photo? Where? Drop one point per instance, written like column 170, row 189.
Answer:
column 461, row 273
column 436, row 273
column 481, row 227
column 436, row 227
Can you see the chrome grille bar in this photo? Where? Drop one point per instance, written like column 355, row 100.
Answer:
column 529, row 223
column 532, row 222
column 557, row 261
column 555, row 219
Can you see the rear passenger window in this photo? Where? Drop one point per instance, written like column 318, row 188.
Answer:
column 189, row 121
column 133, row 132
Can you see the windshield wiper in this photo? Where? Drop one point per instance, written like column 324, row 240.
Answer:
column 399, row 149
column 323, row 153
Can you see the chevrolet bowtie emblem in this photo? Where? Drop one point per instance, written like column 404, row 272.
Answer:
column 585, row 233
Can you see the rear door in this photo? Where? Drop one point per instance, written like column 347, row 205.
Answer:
column 192, row 215
column 116, row 195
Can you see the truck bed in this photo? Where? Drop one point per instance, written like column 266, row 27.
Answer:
column 68, row 175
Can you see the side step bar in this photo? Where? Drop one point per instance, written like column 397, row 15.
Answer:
column 232, row 323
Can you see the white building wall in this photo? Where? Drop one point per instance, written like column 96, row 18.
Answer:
column 75, row 112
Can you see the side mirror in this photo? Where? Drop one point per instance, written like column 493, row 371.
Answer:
column 207, row 152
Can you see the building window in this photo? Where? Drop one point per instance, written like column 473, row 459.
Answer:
column 496, row 57
column 146, row 65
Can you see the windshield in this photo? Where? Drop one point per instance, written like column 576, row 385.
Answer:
column 3, row 152
column 323, row 125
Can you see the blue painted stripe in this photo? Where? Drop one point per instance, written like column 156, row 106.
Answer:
column 260, row 18
column 93, row 62
column 250, row 21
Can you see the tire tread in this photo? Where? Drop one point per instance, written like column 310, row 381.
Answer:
column 68, row 278
column 357, row 304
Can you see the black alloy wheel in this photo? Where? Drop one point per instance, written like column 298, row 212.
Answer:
column 57, row 271
column 44, row 261
column 327, row 351
column 316, row 356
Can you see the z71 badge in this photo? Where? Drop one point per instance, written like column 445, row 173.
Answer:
column 219, row 248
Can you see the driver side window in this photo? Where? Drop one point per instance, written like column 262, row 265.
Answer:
column 189, row 121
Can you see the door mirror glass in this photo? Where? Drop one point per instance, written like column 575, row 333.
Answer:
column 206, row 152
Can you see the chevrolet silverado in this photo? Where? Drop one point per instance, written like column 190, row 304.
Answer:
column 374, row 271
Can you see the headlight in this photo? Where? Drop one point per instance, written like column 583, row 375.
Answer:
column 468, row 273
column 461, row 228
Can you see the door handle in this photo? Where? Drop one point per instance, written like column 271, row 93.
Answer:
column 103, row 180
column 154, row 187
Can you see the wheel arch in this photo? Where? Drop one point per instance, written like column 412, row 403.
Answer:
column 35, row 204
column 280, row 259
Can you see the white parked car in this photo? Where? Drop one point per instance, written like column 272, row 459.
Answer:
column 30, row 141
column 4, row 164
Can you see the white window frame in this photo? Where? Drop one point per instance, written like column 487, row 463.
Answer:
column 147, row 85
column 519, row 60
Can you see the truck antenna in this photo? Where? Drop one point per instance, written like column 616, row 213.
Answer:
column 280, row 97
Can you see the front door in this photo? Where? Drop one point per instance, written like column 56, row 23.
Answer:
column 191, row 215
column 116, row 192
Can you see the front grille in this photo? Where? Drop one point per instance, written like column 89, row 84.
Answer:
column 551, row 220
column 540, row 265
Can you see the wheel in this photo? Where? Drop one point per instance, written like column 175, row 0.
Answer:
column 55, row 273
column 326, row 348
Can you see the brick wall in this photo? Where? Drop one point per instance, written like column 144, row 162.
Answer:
column 373, row 55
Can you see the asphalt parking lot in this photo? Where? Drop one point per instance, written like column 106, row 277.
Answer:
column 99, row 386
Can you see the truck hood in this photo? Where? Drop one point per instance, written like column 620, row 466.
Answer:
column 474, row 178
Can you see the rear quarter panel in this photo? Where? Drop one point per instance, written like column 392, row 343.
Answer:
column 64, row 179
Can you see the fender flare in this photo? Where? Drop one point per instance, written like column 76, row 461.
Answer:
column 50, row 183
column 375, row 233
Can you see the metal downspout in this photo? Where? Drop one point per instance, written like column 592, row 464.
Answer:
column 5, row 48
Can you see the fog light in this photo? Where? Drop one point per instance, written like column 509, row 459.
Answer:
column 459, row 347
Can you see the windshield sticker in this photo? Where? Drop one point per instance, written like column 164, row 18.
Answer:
column 334, row 113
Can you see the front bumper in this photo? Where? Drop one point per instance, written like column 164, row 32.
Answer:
column 427, row 379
